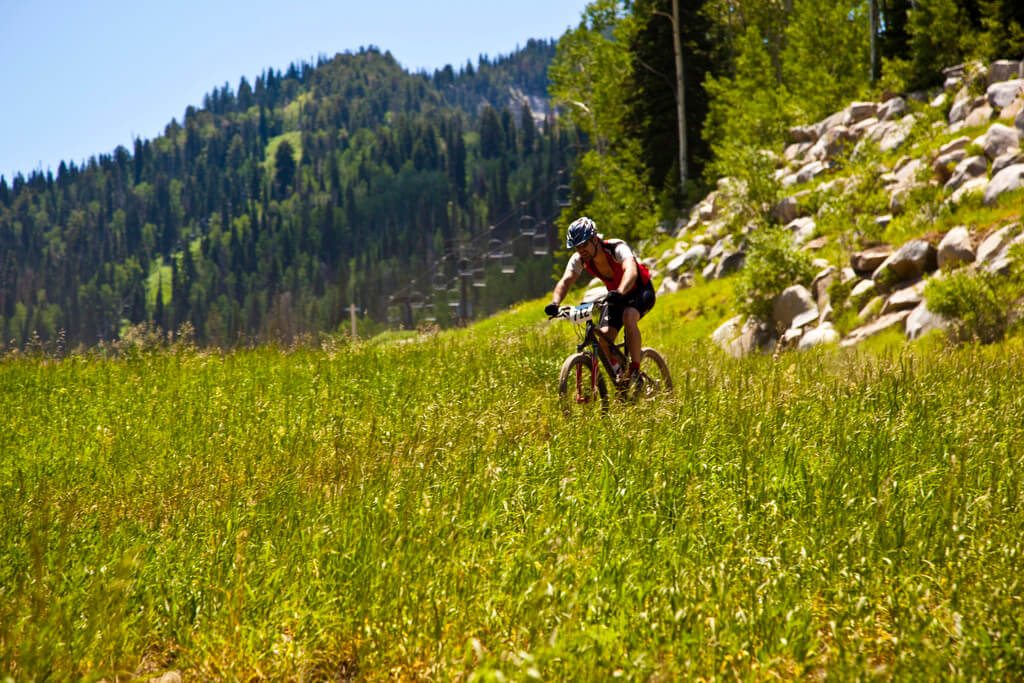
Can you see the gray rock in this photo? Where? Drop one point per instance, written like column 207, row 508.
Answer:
column 1018, row 121
column 820, row 284
column 858, row 111
column 804, row 319
column 904, row 299
column 802, row 229
column 803, row 134
column 790, row 303
column 1009, row 158
column 730, row 263
column 797, row 150
column 912, row 260
column 1003, row 70
column 968, row 169
column 897, row 134
column 867, row 260
column 979, row 116
column 727, row 331
column 955, row 247
column 972, row 186
column 961, row 108
column 993, row 245
column 753, row 337
column 820, row 336
column 810, row 171
column 695, row 255
column 863, row 291
column 871, row 309
column 669, row 285
column 831, row 144
column 945, row 163
column 1009, row 179
column 921, row 320
column 953, row 145
column 1001, row 94
column 874, row 327
column 999, row 139
column 675, row 265
column 786, row 210
column 892, row 108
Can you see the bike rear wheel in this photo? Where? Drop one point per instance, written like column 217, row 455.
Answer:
column 578, row 388
column 655, row 377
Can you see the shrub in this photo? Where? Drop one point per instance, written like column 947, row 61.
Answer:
column 773, row 263
column 981, row 303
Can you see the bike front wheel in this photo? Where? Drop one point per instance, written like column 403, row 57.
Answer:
column 581, row 386
column 655, row 377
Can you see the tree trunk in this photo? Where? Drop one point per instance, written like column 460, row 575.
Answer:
column 873, row 20
column 680, row 98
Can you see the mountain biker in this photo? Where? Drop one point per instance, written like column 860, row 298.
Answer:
column 630, row 292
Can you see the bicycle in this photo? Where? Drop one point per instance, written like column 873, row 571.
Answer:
column 581, row 382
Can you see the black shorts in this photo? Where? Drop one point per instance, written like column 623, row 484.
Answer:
column 641, row 298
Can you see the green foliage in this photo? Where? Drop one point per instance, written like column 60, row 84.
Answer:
column 982, row 303
column 820, row 78
column 772, row 264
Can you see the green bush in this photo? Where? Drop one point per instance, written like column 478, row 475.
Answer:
column 773, row 263
column 980, row 302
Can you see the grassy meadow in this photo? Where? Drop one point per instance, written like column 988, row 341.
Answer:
column 419, row 508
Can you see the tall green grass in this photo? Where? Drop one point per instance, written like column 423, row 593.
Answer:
column 422, row 509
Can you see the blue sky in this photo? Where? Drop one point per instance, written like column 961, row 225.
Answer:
column 80, row 78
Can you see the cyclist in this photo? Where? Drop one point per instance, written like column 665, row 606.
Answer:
column 630, row 292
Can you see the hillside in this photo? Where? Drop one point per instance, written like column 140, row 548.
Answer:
column 268, row 211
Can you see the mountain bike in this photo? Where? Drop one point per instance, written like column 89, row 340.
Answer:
column 581, row 382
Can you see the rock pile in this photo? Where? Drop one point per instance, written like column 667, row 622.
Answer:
column 885, row 282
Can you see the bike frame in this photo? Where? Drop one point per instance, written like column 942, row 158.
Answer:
column 596, row 353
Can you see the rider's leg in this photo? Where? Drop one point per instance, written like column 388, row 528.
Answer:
column 630, row 318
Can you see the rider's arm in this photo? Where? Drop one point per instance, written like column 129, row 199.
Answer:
column 562, row 288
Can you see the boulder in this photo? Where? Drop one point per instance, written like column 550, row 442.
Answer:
column 907, row 173
column 820, row 284
column 675, row 265
column 695, row 255
column 892, row 109
column 995, row 244
column 897, row 133
column 912, row 260
column 922, row 320
column 979, row 116
column 871, row 309
column 945, row 163
column 863, row 291
column 753, row 337
column 1001, row 94
column 858, row 111
column 1009, row 158
column 730, row 263
column 1007, row 180
column 792, row 302
column 802, row 229
column 955, row 247
column 786, row 210
column 669, row 285
column 874, row 327
column 797, row 150
column 999, row 139
column 953, row 145
column 961, row 108
column 821, row 335
column 1010, row 112
column 810, row 171
column 972, row 186
column 803, row 134
column 867, row 260
column 968, row 169
column 831, row 144
column 904, row 299
column 1018, row 121
column 727, row 331
column 815, row 244
column 709, row 271
column 1003, row 70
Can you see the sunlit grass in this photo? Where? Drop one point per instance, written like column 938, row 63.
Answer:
column 419, row 508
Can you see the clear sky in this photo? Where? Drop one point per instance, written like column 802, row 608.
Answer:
column 79, row 78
